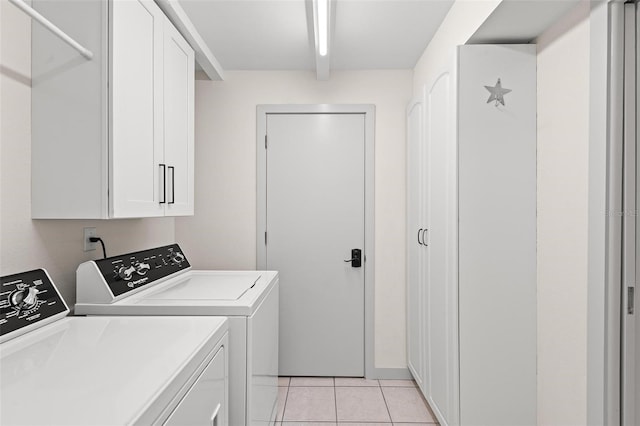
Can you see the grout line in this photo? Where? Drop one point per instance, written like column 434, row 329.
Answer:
column 286, row 397
column 335, row 398
column 385, row 403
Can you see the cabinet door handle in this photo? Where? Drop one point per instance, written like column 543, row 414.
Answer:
column 424, row 234
column 214, row 416
column 163, row 192
column 419, row 231
column 173, row 184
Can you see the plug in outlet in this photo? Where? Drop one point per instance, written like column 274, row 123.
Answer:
column 86, row 234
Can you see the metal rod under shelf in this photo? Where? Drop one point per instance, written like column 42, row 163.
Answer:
column 51, row 27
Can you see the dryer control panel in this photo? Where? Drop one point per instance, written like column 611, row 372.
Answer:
column 26, row 299
column 129, row 272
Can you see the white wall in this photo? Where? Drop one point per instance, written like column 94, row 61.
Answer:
column 563, row 148
column 222, row 233
column 53, row 244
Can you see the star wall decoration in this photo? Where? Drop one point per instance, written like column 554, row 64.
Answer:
column 497, row 93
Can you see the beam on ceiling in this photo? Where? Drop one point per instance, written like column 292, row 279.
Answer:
column 204, row 57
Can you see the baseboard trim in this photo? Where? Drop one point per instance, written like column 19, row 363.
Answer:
column 390, row 374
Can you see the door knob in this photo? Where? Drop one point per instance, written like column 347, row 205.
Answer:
column 356, row 258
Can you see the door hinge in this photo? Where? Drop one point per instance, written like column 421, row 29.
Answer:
column 630, row 300
column 265, row 141
column 265, row 238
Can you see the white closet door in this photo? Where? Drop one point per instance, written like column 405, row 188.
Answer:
column 424, row 248
column 415, row 252
column 178, row 121
column 441, row 310
column 136, row 109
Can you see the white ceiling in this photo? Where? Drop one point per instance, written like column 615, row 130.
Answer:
column 278, row 34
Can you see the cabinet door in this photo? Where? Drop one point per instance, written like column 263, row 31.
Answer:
column 136, row 149
column 178, row 122
column 415, row 329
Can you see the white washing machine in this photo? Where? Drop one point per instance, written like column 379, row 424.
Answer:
column 160, row 281
column 59, row 370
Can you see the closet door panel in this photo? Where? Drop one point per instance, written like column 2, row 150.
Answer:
column 415, row 250
column 440, row 307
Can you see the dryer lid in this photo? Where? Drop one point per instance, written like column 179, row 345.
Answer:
column 209, row 287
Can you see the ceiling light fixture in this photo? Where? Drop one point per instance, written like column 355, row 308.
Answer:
column 323, row 26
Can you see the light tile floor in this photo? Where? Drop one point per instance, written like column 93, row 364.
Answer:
column 327, row 401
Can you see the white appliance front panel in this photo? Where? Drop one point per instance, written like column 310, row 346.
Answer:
column 98, row 370
column 207, row 400
column 262, row 353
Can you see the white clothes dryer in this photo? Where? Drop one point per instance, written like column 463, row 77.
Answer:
column 61, row 370
column 160, row 281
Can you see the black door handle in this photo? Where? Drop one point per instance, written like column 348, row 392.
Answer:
column 164, row 184
column 173, row 184
column 356, row 258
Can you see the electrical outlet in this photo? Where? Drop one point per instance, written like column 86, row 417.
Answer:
column 86, row 234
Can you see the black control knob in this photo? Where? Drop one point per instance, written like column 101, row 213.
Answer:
column 126, row 273
column 176, row 257
column 142, row 268
column 26, row 298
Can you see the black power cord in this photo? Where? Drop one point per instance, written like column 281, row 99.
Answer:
column 98, row 239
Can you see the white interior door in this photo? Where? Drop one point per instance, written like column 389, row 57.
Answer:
column 315, row 209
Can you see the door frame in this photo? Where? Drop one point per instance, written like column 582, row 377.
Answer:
column 262, row 111
column 605, row 296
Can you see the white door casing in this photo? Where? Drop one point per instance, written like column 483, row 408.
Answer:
column 630, row 368
column 315, row 204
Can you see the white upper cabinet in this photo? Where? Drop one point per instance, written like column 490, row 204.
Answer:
column 113, row 136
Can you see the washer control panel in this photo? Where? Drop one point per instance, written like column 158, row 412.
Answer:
column 28, row 298
column 128, row 272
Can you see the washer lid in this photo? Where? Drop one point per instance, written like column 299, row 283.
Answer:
column 209, row 287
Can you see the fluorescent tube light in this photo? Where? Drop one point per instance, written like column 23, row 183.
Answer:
column 323, row 26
